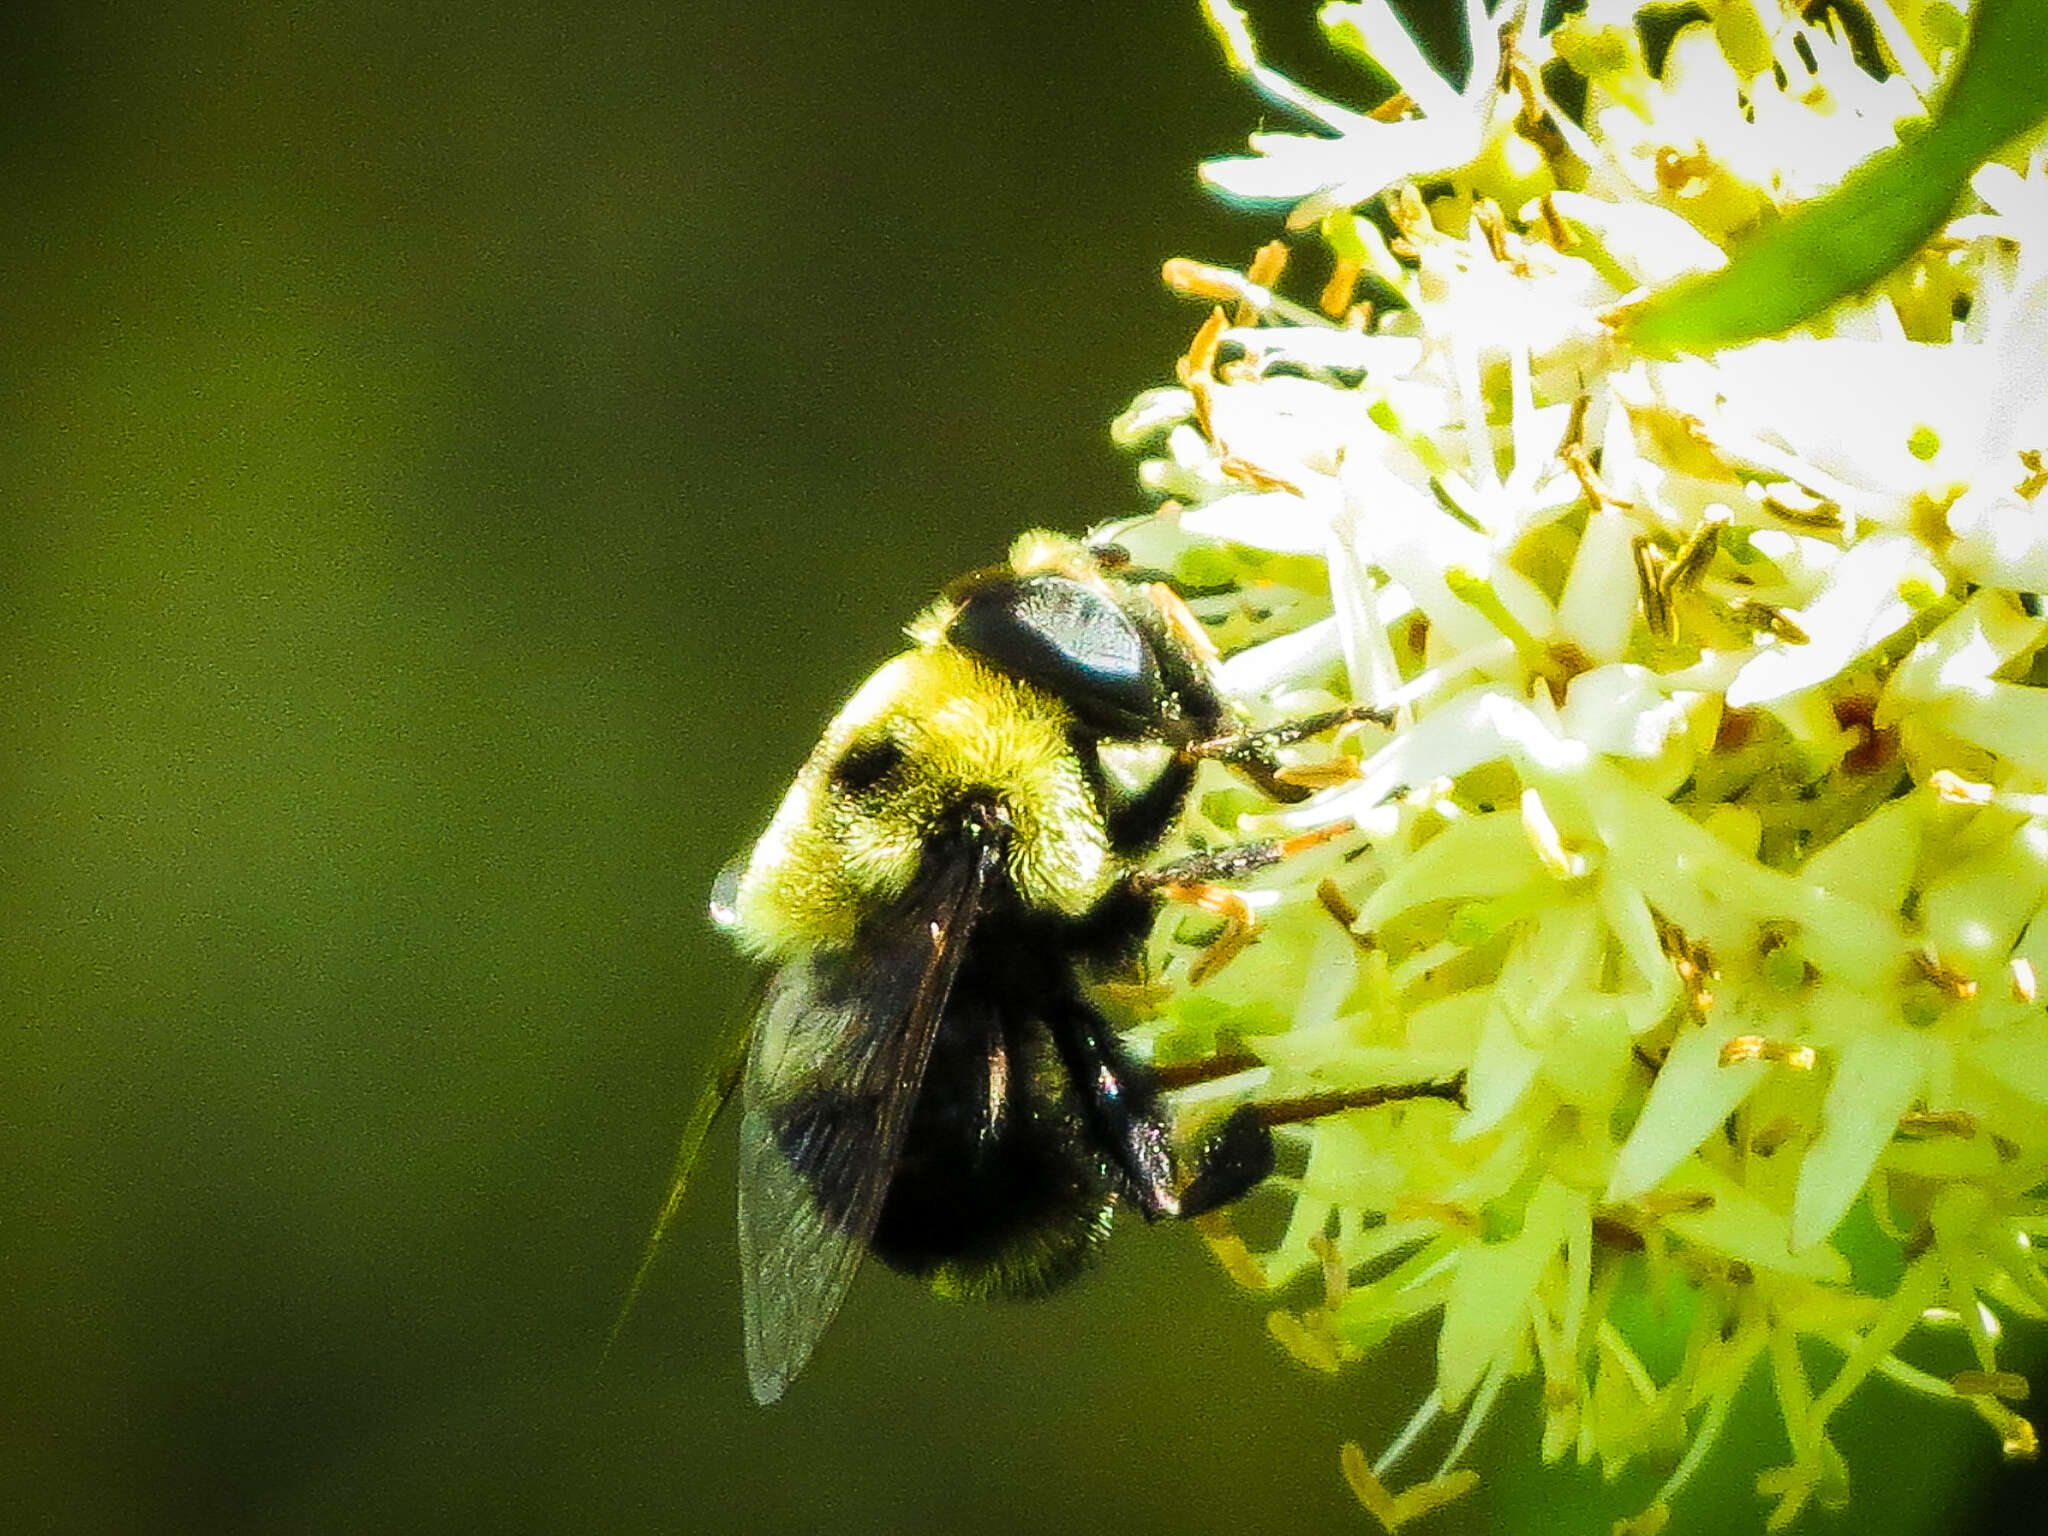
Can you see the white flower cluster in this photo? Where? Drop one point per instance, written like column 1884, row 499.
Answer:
column 1709, row 841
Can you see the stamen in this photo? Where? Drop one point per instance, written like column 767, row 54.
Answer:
column 1411, row 218
column 1774, row 1136
column 1342, row 288
column 1575, row 424
column 1944, row 976
column 1336, row 1277
column 2037, row 475
column 1267, row 265
column 1681, row 174
column 1303, row 1342
column 1393, row 109
column 1766, row 619
column 1690, row 959
column 1327, row 774
column 2016, row 1436
column 1534, row 121
column 1236, row 938
column 1394, row 1510
column 1456, row 1217
column 1199, row 362
column 1301, row 842
column 1690, row 563
column 1650, row 589
column 1677, row 1202
column 2026, row 986
column 1493, row 225
column 1743, row 1048
column 1250, row 474
column 1366, row 1486
column 1338, row 905
column 1230, row 1250
column 1929, row 1125
column 1180, row 618
column 1199, row 280
column 2010, row 1385
column 1798, row 506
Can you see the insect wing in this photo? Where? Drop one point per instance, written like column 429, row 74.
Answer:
column 717, row 1093
column 839, row 1051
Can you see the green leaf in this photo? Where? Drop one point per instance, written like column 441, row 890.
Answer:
column 1882, row 213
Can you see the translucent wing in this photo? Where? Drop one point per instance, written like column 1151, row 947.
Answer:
column 717, row 1092
column 839, row 1051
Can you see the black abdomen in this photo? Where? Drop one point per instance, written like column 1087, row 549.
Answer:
column 1000, row 1189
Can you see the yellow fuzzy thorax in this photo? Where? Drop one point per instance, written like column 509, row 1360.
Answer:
column 830, row 859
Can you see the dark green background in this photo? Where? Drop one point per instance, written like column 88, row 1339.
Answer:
column 451, row 460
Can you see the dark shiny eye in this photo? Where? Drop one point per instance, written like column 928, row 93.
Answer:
column 866, row 764
column 1070, row 639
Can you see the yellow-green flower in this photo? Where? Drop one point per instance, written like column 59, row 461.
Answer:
column 1710, row 838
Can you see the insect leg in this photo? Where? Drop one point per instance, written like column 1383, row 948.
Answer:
column 1238, row 1154
column 1231, row 1160
column 1121, row 1104
column 1239, row 747
column 1195, row 881
column 1203, row 870
column 1140, row 822
column 1313, row 1106
column 1121, row 1100
column 1253, row 753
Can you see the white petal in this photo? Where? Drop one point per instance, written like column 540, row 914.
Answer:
column 1873, row 862
column 1491, row 1289
column 2016, row 1055
column 1503, row 1066
column 1259, row 669
column 1329, row 347
column 1288, row 166
column 1153, row 411
column 1740, row 1225
column 1624, row 711
column 1597, row 612
column 1860, row 607
column 1652, row 245
column 1692, row 1095
column 1853, row 408
column 1878, row 1070
column 1277, row 520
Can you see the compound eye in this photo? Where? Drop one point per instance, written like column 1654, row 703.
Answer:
column 1070, row 640
column 865, row 764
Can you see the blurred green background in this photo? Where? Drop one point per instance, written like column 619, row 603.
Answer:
column 454, row 459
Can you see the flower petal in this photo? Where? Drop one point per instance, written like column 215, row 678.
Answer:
column 1879, row 1069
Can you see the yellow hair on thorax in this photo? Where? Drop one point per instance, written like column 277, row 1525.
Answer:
column 832, row 858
